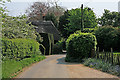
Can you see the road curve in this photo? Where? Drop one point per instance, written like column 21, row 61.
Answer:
column 55, row 67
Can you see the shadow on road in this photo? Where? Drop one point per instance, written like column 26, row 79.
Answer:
column 62, row 61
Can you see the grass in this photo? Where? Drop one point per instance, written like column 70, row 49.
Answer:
column 10, row 68
column 116, row 53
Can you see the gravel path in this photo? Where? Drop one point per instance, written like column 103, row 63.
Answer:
column 55, row 67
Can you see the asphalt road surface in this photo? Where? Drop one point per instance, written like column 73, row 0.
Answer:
column 54, row 66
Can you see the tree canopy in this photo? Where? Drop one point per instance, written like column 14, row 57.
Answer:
column 72, row 20
column 38, row 10
column 109, row 19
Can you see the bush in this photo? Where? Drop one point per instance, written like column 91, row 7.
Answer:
column 79, row 46
column 89, row 30
column 108, row 37
column 57, row 49
column 19, row 48
column 103, row 66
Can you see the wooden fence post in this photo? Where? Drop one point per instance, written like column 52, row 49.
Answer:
column 92, row 53
column 103, row 56
column 112, row 55
column 118, row 59
column 109, row 57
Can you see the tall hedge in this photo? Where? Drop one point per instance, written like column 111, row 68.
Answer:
column 79, row 46
column 108, row 37
column 19, row 48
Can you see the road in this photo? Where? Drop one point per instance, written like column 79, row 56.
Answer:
column 55, row 67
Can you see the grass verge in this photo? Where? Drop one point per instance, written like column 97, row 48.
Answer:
column 10, row 68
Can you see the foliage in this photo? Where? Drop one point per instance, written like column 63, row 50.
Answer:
column 89, row 19
column 51, row 17
column 63, row 21
column 73, row 20
column 89, row 30
column 108, row 37
column 79, row 45
column 16, row 27
column 37, row 10
column 3, row 9
column 103, row 66
column 57, row 11
column 10, row 68
column 109, row 19
column 57, row 49
column 62, row 43
column 19, row 48
column 59, row 46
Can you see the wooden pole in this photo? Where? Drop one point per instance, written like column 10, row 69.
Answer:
column 118, row 59
column 82, row 25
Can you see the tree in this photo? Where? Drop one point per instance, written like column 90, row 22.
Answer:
column 73, row 20
column 57, row 11
column 16, row 27
column 63, row 21
column 3, row 9
column 51, row 17
column 109, row 19
column 36, row 11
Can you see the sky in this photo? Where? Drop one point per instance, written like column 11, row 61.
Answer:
column 18, row 7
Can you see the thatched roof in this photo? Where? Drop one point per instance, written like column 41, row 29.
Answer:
column 47, row 27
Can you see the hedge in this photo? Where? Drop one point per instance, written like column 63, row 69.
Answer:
column 108, row 37
column 79, row 45
column 19, row 48
column 89, row 30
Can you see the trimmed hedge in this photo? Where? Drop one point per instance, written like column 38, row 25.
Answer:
column 89, row 30
column 79, row 46
column 19, row 48
column 108, row 37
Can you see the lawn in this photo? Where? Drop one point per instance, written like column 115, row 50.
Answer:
column 10, row 68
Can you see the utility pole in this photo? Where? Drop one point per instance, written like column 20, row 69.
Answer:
column 82, row 23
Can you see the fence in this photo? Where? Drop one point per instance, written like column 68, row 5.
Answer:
column 108, row 57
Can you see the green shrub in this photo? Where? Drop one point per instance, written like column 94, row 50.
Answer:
column 57, row 49
column 79, row 46
column 19, row 48
column 89, row 30
column 59, row 46
column 108, row 37
column 62, row 43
